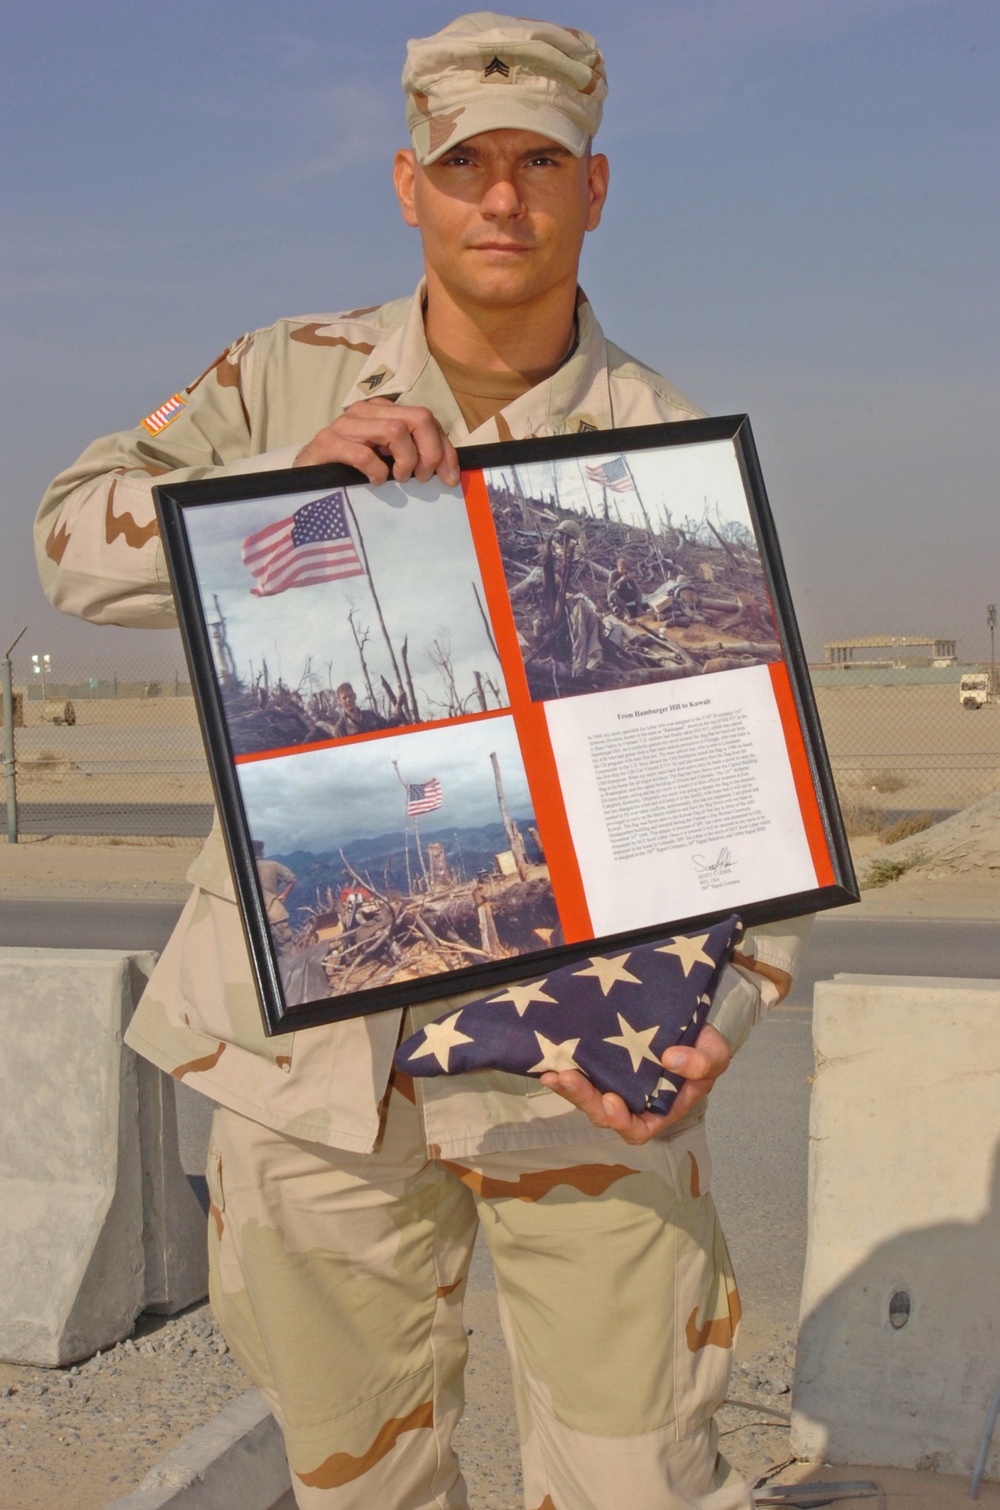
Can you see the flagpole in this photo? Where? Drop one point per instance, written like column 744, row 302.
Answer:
column 586, row 490
column 378, row 606
column 642, row 506
column 406, row 828
column 420, row 853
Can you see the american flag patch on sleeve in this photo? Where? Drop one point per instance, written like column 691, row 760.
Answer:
column 162, row 417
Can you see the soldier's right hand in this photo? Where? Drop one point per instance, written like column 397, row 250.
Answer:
column 376, row 433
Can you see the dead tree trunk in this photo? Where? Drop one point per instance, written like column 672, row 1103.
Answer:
column 227, row 663
column 414, row 710
column 511, row 829
column 487, row 927
column 361, row 641
column 723, row 543
column 486, row 622
column 378, row 607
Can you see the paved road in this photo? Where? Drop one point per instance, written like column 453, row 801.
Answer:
column 890, row 946
column 161, row 820
column 86, row 925
column 759, row 1113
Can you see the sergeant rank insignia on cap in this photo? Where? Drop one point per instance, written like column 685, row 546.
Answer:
column 496, row 65
column 165, row 415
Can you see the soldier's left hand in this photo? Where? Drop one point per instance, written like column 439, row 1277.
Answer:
column 701, row 1065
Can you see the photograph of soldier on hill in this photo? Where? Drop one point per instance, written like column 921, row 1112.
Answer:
column 399, row 859
column 336, row 613
column 633, row 568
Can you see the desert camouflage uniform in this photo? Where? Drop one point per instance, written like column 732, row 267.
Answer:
column 620, row 1356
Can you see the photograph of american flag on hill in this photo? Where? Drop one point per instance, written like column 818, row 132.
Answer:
column 396, row 878
column 339, row 612
column 631, row 568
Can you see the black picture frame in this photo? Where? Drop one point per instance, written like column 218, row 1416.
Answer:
column 572, row 650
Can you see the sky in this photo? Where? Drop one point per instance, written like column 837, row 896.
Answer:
column 321, row 799
column 802, row 225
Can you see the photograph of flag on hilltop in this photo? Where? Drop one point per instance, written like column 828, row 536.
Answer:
column 631, row 568
column 338, row 613
column 387, row 888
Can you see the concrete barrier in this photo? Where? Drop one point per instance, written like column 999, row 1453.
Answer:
column 238, row 1458
column 97, row 1221
column 175, row 1254
column 898, row 1354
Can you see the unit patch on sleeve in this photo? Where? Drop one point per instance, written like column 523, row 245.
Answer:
column 162, row 417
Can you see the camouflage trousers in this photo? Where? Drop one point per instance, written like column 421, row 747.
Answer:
column 338, row 1281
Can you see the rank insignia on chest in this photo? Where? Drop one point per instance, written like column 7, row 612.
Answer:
column 165, row 415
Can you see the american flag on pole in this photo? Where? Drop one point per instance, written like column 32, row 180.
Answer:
column 423, row 796
column 613, row 474
column 612, row 1017
column 314, row 545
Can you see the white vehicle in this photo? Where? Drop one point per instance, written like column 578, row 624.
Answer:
column 974, row 689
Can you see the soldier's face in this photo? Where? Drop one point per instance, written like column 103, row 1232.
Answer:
column 503, row 215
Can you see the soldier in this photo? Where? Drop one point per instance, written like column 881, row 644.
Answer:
column 345, row 1199
column 354, row 720
column 276, row 881
column 624, row 597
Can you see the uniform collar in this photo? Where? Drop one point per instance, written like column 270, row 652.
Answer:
column 576, row 398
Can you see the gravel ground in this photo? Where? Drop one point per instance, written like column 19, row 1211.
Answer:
column 79, row 1437
column 755, row 1421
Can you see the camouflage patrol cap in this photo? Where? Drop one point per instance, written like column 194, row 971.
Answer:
column 485, row 72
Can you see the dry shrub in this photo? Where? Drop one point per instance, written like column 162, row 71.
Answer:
column 883, row 870
column 860, row 819
column 905, row 828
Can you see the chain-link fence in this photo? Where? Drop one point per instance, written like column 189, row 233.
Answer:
column 113, row 751
column 116, row 751
column 903, row 747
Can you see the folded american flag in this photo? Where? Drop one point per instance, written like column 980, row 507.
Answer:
column 611, row 1017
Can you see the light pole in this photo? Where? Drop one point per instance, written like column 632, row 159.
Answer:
column 8, row 741
column 991, row 619
column 40, row 664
